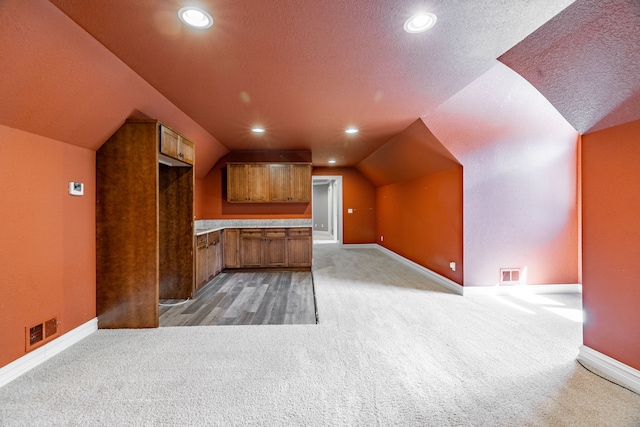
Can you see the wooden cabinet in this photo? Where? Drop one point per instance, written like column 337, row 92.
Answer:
column 232, row 248
column 251, row 247
column 248, row 183
column 274, row 247
column 144, row 228
column 201, row 260
column 268, row 248
column 175, row 147
column 269, row 183
column 300, row 246
column 290, row 182
column 209, row 256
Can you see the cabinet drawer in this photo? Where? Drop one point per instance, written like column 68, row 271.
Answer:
column 251, row 232
column 213, row 238
column 201, row 241
column 274, row 233
column 302, row 232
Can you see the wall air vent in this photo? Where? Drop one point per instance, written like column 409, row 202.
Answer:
column 509, row 276
column 41, row 333
column 36, row 334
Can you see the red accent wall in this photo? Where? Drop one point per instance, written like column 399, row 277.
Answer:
column 48, row 237
column 422, row 221
column 611, row 238
column 358, row 194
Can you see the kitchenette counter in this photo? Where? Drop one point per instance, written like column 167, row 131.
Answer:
column 209, row 225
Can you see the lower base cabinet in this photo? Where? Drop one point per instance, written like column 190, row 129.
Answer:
column 299, row 247
column 209, row 257
column 268, row 248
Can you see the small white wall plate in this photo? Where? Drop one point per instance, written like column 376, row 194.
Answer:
column 76, row 188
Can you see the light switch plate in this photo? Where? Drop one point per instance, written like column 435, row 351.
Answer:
column 76, row 188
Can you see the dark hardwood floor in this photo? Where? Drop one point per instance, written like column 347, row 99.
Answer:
column 246, row 298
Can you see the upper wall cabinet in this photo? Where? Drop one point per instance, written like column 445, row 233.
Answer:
column 269, row 183
column 290, row 182
column 175, row 149
column 248, row 183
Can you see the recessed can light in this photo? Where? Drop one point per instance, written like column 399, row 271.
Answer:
column 195, row 17
column 420, row 23
column 351, row 130
column 257, row 129
column 332, row 162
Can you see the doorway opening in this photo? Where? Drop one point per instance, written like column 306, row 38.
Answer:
column 327, row 209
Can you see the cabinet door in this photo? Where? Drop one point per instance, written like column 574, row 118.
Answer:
column 251, row 247
column 300, row 183
column 232, row 248
column 280, row 178
column 212, row 247
column 258, row 175
column 300, row 245
column 201, row 260
column 237, row 184
column 275, row 247
column 169, row 141
column 219, row 255
column 186, row 150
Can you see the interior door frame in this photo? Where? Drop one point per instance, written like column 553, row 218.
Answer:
column 338, row 197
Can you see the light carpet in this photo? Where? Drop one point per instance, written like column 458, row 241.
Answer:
column 391, row 348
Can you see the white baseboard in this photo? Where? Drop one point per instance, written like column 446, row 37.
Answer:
column 520, row 289
column 476, row 290
column 615, row 371
column 439, row 279
column 360, row 245
column 30, row 360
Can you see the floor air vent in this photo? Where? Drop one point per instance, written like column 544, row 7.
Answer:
column 41, row 333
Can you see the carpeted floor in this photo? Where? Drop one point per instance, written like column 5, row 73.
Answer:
column 391, row 348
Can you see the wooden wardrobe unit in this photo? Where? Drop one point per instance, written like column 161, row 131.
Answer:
column 144, row 225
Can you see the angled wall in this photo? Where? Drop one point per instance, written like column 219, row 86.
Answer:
column 519, row 160
column 611, row 238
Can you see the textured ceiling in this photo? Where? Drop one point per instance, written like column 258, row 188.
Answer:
column 305, row 70
column 586, row 62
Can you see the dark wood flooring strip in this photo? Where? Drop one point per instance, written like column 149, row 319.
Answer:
column 247, row 298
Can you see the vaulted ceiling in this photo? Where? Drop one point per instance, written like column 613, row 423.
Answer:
column 304, row 70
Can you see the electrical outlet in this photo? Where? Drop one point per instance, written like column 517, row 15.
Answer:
column 452, row 266
column 382, row 238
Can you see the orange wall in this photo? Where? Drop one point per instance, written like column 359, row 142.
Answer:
column 611, row 238
column 422, row 221
column 198, row 195
column 48, row 237
column 358, row 194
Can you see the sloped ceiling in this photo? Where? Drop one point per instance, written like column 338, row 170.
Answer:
column 59, row 82
column 586, row 62
column 304, row 69
column 413, row 153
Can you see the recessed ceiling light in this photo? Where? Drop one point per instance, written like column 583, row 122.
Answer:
column 332, row 162
column 420, row 23
column 351, row 130
column 195, row 17
column 257, row 129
